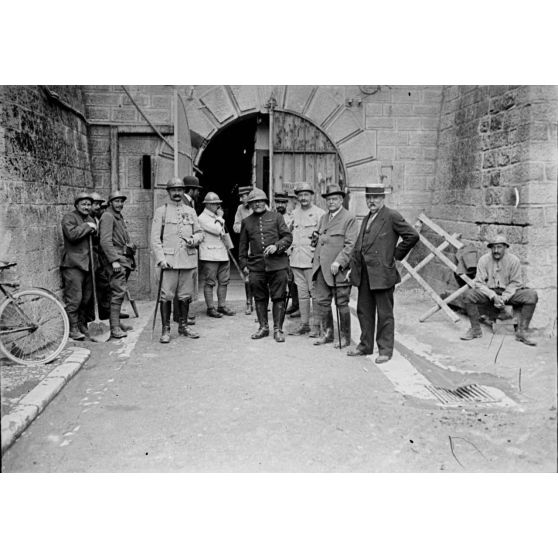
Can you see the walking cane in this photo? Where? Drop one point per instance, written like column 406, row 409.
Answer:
column 337, row 310
column 157, row 302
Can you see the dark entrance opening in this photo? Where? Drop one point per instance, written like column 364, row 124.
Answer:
column 227, row 162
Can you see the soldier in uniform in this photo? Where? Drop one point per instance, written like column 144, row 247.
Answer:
column 215, row 267
column 242, row 212
column 175, row 234
column 337, row 232
column 305, row 220
column 264, row 240
column 77, row 228
column 119, row 251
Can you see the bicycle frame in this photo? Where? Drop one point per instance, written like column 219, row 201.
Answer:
column 32, row 326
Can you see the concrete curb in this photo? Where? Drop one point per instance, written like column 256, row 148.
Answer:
column 38, row 398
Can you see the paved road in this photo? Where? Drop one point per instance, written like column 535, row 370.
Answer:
column 225, row 403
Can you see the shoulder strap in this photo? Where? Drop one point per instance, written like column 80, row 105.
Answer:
column 163, row 223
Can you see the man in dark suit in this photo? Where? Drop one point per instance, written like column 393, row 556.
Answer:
column 373, row 271
column 77, row 228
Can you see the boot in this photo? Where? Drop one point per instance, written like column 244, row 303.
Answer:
column 326, row 326
column 183, row 327
column 165, row 320
column 249, row 304
column 475, row 330
column 278, row 311
column 344, row 327
column 261, row 312
column 314, row 322
column 303, row 328
column 75, row 333
column 115, row 331
column 221, row 301
column 525, row 316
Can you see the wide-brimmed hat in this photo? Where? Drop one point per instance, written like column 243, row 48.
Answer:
column 304, row 187
column 191, row 182
column 83, row 196
column 375, row 190
column 175, row 183
column 117, row 195
column 332, row 190
column 95, row 196
column 498, row 239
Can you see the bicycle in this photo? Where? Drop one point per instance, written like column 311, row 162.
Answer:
column 34, row 326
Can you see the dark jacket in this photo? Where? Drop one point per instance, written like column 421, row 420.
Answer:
column 258, row 231
column 76, row 233
column 114, row 238
column 336, row 241
column 377, row 249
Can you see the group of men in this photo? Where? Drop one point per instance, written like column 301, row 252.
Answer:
column 97, row 248
column 322, row 253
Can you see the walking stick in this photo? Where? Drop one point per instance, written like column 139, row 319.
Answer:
column 337, row 310
column 157, row 302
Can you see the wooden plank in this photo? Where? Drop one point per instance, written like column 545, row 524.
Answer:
column 437, row 229
column 444, row 259
column 449, row 298
column 428, row 258
column 451, row 314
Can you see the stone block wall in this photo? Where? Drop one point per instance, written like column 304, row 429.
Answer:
column 496, row 172
column 44, row 162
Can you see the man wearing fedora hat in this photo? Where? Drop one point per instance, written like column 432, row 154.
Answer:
column 119, row 252
column 374, row 272
column 215, row 267
column 305, row 220
column 334, row 242
column 175, row 234
column 498, row 282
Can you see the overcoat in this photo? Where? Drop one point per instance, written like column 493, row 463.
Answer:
column 336, row 241
column 181, row 223
column 377, row 248
column 76, row 234
column 114, row 238
column 212, row 247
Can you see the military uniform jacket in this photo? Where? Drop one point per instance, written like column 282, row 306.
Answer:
column 181, row 224
column 304, row 224
column 114, row 238
column 335, row 244
column 76, row 234
column 258, row 231
column 376, row 249
column 212, row 247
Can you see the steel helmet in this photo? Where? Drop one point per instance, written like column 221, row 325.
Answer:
column 175, row 183
column 95, row 196
column 498, row 239
column 212, row 197
column 83, row 196
column 256, row 195
column 116, row 195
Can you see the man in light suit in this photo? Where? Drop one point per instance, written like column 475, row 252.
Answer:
column 373, row 271
column 335, row 240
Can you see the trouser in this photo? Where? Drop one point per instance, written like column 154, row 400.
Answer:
column 518, row 299
column 117, row 282
column 268, row 284
column 303, row 280
column 372, row 302
column 178, row 284
column 193, row 294
column 324, row 293
column 78, row 289
column 215, row 273
column 103, row 296
column 293, row 290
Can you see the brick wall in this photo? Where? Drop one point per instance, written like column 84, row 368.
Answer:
column 497, row 142
column 44, row 161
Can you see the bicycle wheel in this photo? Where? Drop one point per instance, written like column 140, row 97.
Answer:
column 34, row 327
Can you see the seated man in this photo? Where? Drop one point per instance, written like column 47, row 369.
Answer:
column 498, row 281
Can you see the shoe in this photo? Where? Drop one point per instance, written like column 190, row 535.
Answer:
column 521, row 336
column 262, row 332
column 291, row 309
column 165, row 335
column 212, row 313
column 314, row 333
column 191, row 320
column 126, row 327
column 295, row 314
column 76, row 335
column 83, row 329
column 124, row 316
column 471, row 334
column 326, row 338
column 382, row 358
column 302, row 329
column 279, row 336
column 357, row 351
column 117, row 333
column 187, row 331
column 225, row 311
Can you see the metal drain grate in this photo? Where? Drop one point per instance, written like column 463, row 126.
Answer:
column 472, row 393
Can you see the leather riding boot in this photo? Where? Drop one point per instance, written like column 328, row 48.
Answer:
column 527, row 311
column 261, row 312
column 183, row 327
column 344, row 327
column 278, row 316
column 115, row 331
column 475, row 330
column 326, row 327
column 165, row 307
